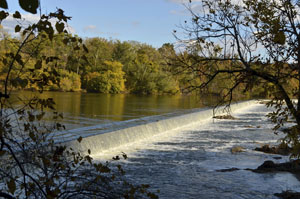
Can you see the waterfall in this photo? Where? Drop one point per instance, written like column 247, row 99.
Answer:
column 105, row 137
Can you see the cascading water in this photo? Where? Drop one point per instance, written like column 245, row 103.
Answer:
column 183, row 162
column 108, row 136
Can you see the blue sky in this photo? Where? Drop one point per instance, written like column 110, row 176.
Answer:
column 147, row 21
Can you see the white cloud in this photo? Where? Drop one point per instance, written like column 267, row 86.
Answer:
column 90, row 28
column 27, row 19
column 195, row 6
column 94, row 30
column 135, row 23
column 179, row 12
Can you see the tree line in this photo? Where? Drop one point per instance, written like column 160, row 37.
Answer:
column 109, row 66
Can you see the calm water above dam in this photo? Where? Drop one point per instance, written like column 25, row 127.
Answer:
column 87, row 109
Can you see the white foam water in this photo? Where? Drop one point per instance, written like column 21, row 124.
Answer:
column 182, row 162
column 109, row 136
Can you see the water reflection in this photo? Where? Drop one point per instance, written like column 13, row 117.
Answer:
column 84, row 109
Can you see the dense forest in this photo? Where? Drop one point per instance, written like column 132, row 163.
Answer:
column 110, row 66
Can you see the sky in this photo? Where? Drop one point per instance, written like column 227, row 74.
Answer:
column 146, row 21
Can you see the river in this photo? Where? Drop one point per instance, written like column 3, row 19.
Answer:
column 89, row 109
column 183, row 163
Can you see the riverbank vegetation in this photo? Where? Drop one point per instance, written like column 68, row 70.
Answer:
column 103, row 66
column 112, row 66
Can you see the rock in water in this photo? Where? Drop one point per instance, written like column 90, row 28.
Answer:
column 237, row 149
column 288, row 195
column 267, row 165
column 281, row 149
column 228, row 170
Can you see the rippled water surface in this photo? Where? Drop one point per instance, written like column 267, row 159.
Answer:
column 182, row 163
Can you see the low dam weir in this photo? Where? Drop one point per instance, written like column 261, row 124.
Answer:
column 104, row 137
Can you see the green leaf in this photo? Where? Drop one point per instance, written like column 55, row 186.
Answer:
column 17, row 15
column 4, row 61
column 124, row 155
column 76, row 48
column 32, row 136
column 2, row 152
column 31, row 118
column 23, row 83
column 66, row 41
column 84, row 58
column 85, row 48
column 40, row 116
column 26, row 127
column 79, row 139
column 73, row 39
column 280, row 38
column 59, row 27
column 17, row 28
column 11, row 186
column 19, row 82
column 29, row 5
column 38, row 64
column 3, row 4
column 3, row 15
